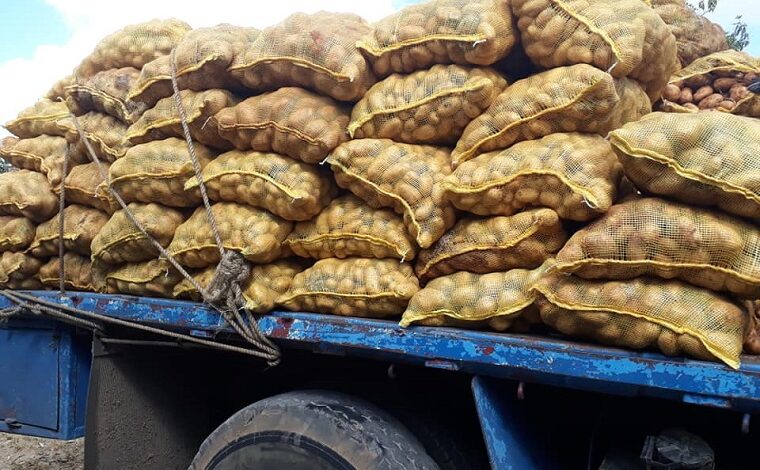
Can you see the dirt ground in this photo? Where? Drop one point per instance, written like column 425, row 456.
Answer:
column 33, row 453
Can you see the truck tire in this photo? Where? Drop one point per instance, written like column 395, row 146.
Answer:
column 312, row 430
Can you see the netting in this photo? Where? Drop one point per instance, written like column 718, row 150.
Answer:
column 360, row 287
column 349, row 227
column 19, row 270
column 44, row 154
column 574, row 174
column 696, row 36
column 752, row 331
column 39, row 119
column 16, row 233
column 27, row 193
column 58, row 90
column 105, row 133
column 77, row 274
column 154, row 278
column 120, row 241
column 624, row 37
column 707, row 159
column 291, row 121
column 85, row 186
column 427, row 107
column 652, row 236
column 524, row 240
column 286, row 187
column 157, row 172
column 254, row 233
column 579, row 98
column 80, row 225
column 316, row 51
column 104, row 92
column 163, row 120
column 671, row 316
column 404, row 177
column 133, row 46
column 463, row 32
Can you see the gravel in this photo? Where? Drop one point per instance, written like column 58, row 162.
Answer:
column 33, row 453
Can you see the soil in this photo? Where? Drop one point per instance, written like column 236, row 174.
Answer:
column 33, row 453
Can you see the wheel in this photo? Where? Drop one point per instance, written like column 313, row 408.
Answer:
column 312, row 430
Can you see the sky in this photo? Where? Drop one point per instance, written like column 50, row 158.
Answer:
column 41, row 41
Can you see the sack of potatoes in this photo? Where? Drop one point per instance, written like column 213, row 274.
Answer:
column 58, row 91
column 254, row 233
column 350, row 227
column 579, row 98
column 524, row 240
column 77, row 273
column 120, row 241
column 651, row 236
column 623, row 37
column 201, row 60
column 16, row 233
column 671, row 316
column 285, row 187
column 752, row 330
column 86, row 185
column 574, row 174
column 404, row 177
column 419, row 36
column 290, row 121
column 105, row 134
column 426, row 107
column 44, row 154
column 39, row 119
column 157, row 172
column 80, row 226
column 706, row 159
column 358, row 287
column 19, row 271
column 104, row 92
column 154, row 278
column 718, row 81
column 696, row 36
column 315, row 51
column 28, row 194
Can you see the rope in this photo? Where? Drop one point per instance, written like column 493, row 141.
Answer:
column 40, row 310
column 61, row 220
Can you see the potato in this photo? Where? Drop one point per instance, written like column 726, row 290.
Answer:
column 18, row 271
column 85, row 185
column 16, row 233
column 711, row 101
column 80, row 225
column 104, row 92
column 39, row 119
column 27, row 193
column 154, row 278
column 44, row 154
column 105, row 133
column 77, row 273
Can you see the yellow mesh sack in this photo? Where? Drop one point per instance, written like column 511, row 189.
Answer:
column 349, row 227
column 80, row 225
column 44, row 154
column 426, row 107
column 77, row 273
column 18, row 271
column 290, row 121
column 157, row 172
column 463, row 32
column 104, row 92
column 566, row 99
column 652, row 236
column 524, row 240
column 39, row 119
column 706, row 159
column 16, row 233
column 358, row 287
column 154, row 278
column 404, row 177
column 202, row 58
column 133, row 46
column 316, row 51
column 254, row 233
column 499, row 300
column 84, row 185
column 58, row 90
column 624, row 37
column 696, row 36
column 163, row 121
column 120, row 241
column 27, row 193
column 286, row 187
column 646, row 312
column 574, row 174
column 105, row 133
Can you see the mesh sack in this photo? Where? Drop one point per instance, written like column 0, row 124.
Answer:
column 154, row 278
column 19, row 271
column 289, row 188
column 77, row 273
column 696, row 36
column 27, row 193
column 104, row 92
column 157, row 172
column 16, row 233
column 58, row 90
column 163, row 121
column 464, row 32
column 105, row 133
column 567, row 99
column 80, row 225
column 290, row 121
column 524, row 240
column 133, row 46
column 349, row 227
column 404, row 177
column 671, row 316
column 426, row 107
column 707, row 159
column 44, row 154
column 359, row 287
column 624, row 37
column 39, row 119
column 202, row 58
column 574, row 174
column 120, row 241
column 254, row 233
column 314, row 51
column 84, row 185
column 652, row 236
column 752, row 331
